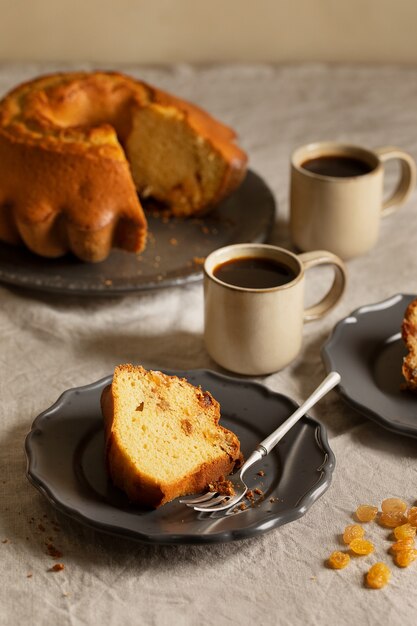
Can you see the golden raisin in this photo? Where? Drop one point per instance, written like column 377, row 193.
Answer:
column 404, row 558
column 402, row 544
column 378, row 576
column 412, row 516
column 404, row 531
column 338, row 560
column 354, row 531
column 393, row 505
column 366, row 512
column 361, row 546
column 391, row 520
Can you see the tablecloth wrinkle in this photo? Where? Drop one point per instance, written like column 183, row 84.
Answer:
column 49, row 343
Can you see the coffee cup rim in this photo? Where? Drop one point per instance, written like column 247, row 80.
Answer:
column 209, row 265
column 337, row 148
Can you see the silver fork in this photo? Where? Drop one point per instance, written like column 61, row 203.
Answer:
column 213, row 501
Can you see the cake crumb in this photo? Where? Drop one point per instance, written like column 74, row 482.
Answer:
column 41, row 528
column 52, row 551
column 29, row 575
column 58, row 567
column 261, row 473
column 223, row 487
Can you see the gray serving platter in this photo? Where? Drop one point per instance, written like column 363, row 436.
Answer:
column 174, row 254
column 65, row 462
column 367, row 350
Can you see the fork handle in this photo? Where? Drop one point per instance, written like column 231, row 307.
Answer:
column 271, row 441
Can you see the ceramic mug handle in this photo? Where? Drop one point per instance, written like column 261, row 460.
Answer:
column 332, row 297
column 407, row 180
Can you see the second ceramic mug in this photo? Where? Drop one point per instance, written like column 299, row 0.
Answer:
column 258, row 331
column 342, row 213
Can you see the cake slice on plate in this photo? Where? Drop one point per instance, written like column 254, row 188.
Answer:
column 163, row 437
column 409, row 335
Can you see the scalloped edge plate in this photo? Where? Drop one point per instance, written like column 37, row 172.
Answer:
column 65, row 462
column 367, row 350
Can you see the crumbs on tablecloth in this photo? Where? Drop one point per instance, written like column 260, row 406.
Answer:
column 58, row 567
column 53, row 551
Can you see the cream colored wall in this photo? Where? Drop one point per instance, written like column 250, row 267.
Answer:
column 160, row 31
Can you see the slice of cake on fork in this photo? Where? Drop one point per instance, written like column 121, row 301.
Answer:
column 163, row 437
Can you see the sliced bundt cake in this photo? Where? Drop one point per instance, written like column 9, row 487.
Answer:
column 77, row 148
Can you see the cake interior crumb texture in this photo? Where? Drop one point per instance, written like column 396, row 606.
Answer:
column 163, row 439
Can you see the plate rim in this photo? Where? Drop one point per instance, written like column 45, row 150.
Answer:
column 270, row 521
column 329, row 361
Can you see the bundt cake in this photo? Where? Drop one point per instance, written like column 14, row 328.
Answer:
column 162, row 436
column 76, row 149
column 409, row 335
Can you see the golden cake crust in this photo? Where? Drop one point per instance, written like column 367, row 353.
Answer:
column 66, row 182
column 409, row 335
column 140, row 486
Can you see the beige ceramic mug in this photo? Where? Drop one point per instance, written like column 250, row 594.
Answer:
column 257, row 331
column 337, row 196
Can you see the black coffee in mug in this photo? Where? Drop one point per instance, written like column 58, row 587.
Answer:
column 253, row 272
column 337, row 166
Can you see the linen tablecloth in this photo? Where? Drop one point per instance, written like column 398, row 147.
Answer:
column 50, row 343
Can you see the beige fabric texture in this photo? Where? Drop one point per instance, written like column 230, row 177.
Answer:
column 51, row 343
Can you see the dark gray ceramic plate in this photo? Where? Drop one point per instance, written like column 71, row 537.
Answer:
column 65, row 462
column 173, row 255
column 367, row 350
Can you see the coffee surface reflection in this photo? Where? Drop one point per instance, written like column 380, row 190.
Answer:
column 254, row 273
column 337, row 166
